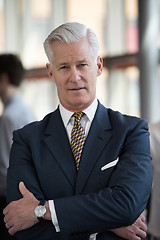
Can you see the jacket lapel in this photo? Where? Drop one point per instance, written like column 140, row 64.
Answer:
column 57, row 142
column 97, row 138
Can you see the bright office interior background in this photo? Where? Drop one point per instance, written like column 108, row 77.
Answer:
column 24, row 25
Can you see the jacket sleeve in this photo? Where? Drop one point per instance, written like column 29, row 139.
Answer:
column 116, row 205
column 21, row 168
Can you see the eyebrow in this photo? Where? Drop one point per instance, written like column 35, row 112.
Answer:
column 78, row 62
column 60, row 64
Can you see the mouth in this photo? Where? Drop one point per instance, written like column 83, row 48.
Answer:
column 77, row 89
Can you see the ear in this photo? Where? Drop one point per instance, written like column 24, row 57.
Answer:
column 99, row 65
column 49, row 70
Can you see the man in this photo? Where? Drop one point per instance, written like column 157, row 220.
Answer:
column 154, row 210
column 15, row 115
column 109, row 184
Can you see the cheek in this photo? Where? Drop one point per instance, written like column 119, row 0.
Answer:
column 92, row 81
column 60, row 83
column 59, row 88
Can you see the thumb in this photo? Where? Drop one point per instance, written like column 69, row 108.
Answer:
column 23, row 190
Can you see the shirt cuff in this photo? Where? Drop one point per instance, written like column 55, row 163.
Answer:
column 93, row 236
column 53, row 215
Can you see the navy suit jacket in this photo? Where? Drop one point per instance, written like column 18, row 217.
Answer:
column 92, row 199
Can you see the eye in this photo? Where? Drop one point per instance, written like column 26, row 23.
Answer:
column 63, row 67
column 83, row 65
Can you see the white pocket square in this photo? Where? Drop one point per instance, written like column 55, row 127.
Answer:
column 111, row 164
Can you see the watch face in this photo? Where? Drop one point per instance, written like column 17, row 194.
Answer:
column 40, row 211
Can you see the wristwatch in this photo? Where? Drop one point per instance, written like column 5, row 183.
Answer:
column 40, row 210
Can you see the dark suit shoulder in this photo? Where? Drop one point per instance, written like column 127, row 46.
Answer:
column 122, row 120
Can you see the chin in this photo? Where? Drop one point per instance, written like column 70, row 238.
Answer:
column 81, row 105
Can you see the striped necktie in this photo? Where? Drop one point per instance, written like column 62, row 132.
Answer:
column 77, row 138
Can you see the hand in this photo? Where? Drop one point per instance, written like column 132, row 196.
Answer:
column 134, row 232
column 19, row 215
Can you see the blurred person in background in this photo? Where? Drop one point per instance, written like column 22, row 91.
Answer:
column 78, row 189
column 15, row 115
column 154, row 203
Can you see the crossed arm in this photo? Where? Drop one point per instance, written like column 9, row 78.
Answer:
column 19, row 215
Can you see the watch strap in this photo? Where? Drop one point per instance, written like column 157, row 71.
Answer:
column 42, row 202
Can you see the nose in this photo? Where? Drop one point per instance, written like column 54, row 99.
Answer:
column 74, row 75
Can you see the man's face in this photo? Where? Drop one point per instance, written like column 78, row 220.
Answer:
column 75, row 72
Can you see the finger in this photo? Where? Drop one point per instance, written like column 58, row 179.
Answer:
column 24, row 191
column 135, row 237
column 8, row 225
column 143, row 226
column 142, row 217
column 140, row 224
column 138, row 231
column 6, row 219
column 141, row 233
column 5, row 211
column 12, row 230
column 133, row 234
column 8, row 207
column 22, row 188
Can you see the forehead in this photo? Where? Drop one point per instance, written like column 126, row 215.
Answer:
column 66, row 51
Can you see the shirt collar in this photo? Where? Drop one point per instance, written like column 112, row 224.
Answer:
column 90, row 112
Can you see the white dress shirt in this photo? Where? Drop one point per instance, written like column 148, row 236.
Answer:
column 68, row 120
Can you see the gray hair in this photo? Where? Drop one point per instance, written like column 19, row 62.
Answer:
column 69, row 33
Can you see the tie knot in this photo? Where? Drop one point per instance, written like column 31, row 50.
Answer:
column 78, row 116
